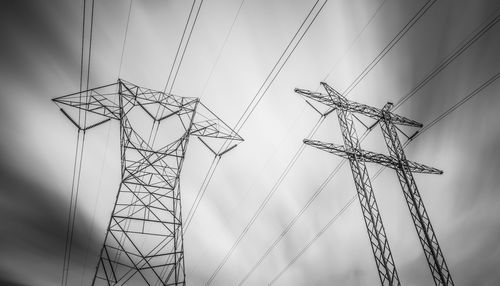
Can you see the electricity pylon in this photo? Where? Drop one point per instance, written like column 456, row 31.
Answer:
column 144, row 239
column 373, row 221
column 397, row 161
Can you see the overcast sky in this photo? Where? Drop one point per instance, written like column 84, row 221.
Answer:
column 40, row 59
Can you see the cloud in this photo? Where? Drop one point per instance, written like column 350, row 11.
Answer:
column 33, row 227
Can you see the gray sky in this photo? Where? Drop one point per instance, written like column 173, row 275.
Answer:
column 40, row 59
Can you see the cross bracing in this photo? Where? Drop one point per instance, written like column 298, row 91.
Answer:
column 144, row 239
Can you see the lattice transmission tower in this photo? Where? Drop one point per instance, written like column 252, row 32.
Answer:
column 397, row 161
column 144, row 239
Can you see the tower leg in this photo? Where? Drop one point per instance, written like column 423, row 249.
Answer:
column 373, row 221
column 428, row 240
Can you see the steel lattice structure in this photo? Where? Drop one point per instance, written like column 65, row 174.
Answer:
column 404, row 169
column 433, row 254
column 144, row 239
column 373, row 221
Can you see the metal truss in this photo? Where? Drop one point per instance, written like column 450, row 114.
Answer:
column 373, row 221
column 336, row 100
column 371, row 157
column 433, row 254
column 144, row 239
column 397, row 161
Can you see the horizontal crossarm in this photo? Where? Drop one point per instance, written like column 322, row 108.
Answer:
column 103, row 100
column 370, row 157
column 335, row 100
column 207, row 124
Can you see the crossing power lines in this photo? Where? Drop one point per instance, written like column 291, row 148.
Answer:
column 348, row 204
column 356, row 81
column 80, row 139
column 174, row 71
column 463, row 46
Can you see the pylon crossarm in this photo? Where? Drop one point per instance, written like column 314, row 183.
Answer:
column 370, row 157
column 346, row 153
column 335, row 100
column 97, row 100
column 421, row 168
column 207, row 124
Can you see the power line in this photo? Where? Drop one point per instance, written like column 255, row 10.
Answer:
column 221, row 49
column 476, row 35
column 95, row 206
column 368, row 23
column 199, row 195
column 178, row 66
column 215, row 161
column 256, row 99
column 291, row 127
column 106, row 148
column 391, row 44
column 157, row 172
column 330, row 176
column 353, row 198
column 179, row 63
column 289, row 226
column 68, row 227
column 77, row 168
column 70, row 213
column 480, row 31
column 187, row 43
column 328, row 224
column 125, row 38
column 251, row 108
column 263, row 203
column 430, row 75
column 337, row 215
column 460, row 103
column 180, row 45
column 382, row 54
column 155, row 126
column 90, row 51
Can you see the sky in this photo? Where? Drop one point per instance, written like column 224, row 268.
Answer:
column 40, row 60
